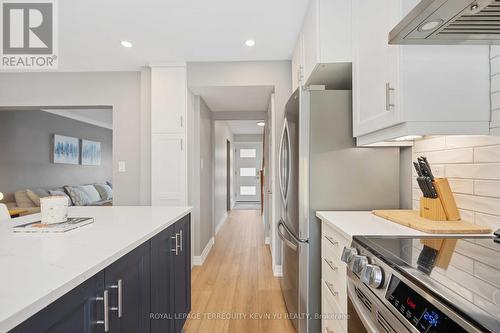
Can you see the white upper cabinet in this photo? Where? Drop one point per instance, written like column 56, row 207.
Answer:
column 168, row 99
column 325, row 39
column 168, row 135
column 413, row 89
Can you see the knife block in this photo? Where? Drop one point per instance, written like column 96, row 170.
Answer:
column 443, row 208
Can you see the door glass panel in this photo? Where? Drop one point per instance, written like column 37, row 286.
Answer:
column 248, row 153
column 248, row 190
column 248, row 172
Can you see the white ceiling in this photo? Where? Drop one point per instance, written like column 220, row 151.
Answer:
column 235, row 98
column 90, row 31
column 240, row 127
column 97, row 117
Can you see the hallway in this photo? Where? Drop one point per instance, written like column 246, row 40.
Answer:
column 235, row 290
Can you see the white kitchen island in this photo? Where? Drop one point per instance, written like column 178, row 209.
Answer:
column 37, row 269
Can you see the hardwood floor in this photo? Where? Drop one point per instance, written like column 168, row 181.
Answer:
column 235, row 290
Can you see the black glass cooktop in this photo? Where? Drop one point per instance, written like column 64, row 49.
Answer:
column 462, row 272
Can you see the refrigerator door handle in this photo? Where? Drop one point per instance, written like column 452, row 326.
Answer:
column 280, row 165
column 287, row 242
column 289, row 160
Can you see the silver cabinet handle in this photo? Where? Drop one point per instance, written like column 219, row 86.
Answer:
column 330, row 263
column 182, row 243
column 331, row 240
column 119, row 287
column 105, row 300
column 176, row 249
column 388, row 91
column 332, row 289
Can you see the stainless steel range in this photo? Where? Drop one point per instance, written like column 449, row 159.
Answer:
column 411, row 285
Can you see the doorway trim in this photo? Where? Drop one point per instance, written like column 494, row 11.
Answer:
column 228, row 176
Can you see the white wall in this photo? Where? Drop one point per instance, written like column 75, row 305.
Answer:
column 121, row 90
column 221, row 133
column 472, row 164
column 495, row 89
column 251, row 73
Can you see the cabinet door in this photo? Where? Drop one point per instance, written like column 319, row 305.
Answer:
column 168, row 99
column 182, row 272
column 375, row 65
column 127, row 281
column 297, row 64
column 162, row 281
column 76, row 312
column 168, row 162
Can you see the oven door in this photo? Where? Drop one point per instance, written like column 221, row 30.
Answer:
column 366, row 313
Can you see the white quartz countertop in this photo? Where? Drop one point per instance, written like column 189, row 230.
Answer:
column 37, row 269
column 364, row 223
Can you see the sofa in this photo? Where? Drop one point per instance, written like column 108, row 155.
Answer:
column 97, row 194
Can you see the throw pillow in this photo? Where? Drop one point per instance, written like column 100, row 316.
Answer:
column 91, row 192
column 78, row 197
column 22, row 200
column 60, row 193
column 36, row 194
column 105, row 191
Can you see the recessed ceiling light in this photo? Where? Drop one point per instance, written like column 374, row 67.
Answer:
column 126, row 43
column 430, row 25
column 261, row 124
column 250, row 42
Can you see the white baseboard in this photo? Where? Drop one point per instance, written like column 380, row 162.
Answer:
column 221, row 223
column 267, row 240
column 199, row 260
column 278, row 271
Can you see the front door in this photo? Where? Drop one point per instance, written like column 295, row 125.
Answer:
column 248, row 162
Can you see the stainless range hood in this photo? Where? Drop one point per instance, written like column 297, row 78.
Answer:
column 450, row 22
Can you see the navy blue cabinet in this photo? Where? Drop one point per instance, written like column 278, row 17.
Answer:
column 79, row 311
column 146, row 291
column 171, row 278
column 127, row 281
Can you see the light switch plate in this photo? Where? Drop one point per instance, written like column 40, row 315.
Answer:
column 121, row 166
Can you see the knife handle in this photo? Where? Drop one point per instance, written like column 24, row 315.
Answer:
column 417, row 168
column 432, row 190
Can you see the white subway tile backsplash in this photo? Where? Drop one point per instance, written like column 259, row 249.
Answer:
column 495, row 51
column 488, row 154
column 478, row 204
column 495, row 66
column 463, row 155
column 495, row 83
column 495, row 100
column 489, row 171
column 429, row 144
column 465, row 186
column 472, row 165
column 464, row 141
column 489, row 188
column 495, row 120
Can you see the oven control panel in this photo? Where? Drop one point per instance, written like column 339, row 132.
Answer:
column 419, row 312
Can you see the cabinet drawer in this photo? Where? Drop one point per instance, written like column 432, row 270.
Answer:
column 335, row 278
column 334, row 318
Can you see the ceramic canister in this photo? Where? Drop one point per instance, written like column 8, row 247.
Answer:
column 54, row 209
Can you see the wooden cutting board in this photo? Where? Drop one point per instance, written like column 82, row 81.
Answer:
column 412, row 219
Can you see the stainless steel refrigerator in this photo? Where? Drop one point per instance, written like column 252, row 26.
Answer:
column 320, row 168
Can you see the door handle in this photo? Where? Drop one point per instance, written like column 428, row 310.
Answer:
column 105, row 301
column 119, row 288
column 181, row 241
column 388, row 91
column 176, row 249
column 280, row 155
column 287, row 242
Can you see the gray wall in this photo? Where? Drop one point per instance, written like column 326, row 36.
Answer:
column 26, row 150
column 120, row 90
column 248, row 137
column 222, row 133
column 206, row 176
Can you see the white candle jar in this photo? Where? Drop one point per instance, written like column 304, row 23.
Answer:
column 54, row 209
